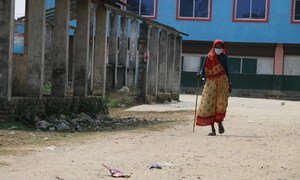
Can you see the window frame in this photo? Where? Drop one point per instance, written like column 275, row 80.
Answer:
column 193, row 18
column 150, row 17
column 241, row 58
column 266, row 20
column 293, row 11
column 192, row 55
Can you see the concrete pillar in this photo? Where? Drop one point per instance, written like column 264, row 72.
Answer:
column 26, row 29
column 90, row 64
column 133, row 61
column 162, row 63
column 7, row 10
column 170, row 63
column 99, row 74
column 152, row 63
column 60, row 52
column 177, row 66
column 278, row 60
column 113, row 50
column 143, row 58
column 123, row 48
column 71, row 58
column 49, row 52
column 36, row 47
column 82, row 47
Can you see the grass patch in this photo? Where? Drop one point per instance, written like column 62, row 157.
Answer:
column 47, row 88
column 15, row 125
column 119, row 99
column 29, row 111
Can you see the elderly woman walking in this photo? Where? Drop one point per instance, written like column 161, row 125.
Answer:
column 214, row 101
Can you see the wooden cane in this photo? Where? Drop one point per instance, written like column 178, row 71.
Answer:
column 198, row 90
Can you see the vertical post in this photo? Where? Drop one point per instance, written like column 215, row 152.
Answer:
column 278, row 68
column 177, row 66
column 99, row 75
column 7, row 10
column 71, row 58
column 152, row 63
column 60, row 48
column 36, row 47
column 278, row 60
column 170, row 63
column 123, row 47
column 49, row 51
column 26, row 28
column 90, row 69
column 143, row 58
column 162, row 66
column 113, row 50
column 133, row 53
column 82, row 47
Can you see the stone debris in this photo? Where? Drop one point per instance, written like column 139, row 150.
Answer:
column 124, row 89
column 83, row 122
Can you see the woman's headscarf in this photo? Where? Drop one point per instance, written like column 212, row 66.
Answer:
column 212, row 51
column 212, row 56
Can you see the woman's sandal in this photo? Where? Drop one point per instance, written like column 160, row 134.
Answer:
column 212, row 133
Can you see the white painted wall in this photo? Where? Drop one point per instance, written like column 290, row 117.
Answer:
column 291, row 65
column 265, row 65
column 191, row 62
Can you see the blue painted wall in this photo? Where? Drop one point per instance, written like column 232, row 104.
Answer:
column 277, row 30
column 50, row 4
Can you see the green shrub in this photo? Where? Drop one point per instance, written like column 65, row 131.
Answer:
column 47, row 88
column 58, row 106
column 93, row 107
column 129, row 101
column 27, row 109
column 113, row 103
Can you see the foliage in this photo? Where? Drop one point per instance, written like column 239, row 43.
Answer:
column 113, row 103
column 27, row 109
column 58, row 106
column 116, row 100
column 93, row 107
column 14, row 125
column 129, row 101
column 47, row 88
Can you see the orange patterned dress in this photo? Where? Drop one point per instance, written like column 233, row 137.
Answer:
column 214, row 100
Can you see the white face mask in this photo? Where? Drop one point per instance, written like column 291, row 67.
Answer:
column 218, row 51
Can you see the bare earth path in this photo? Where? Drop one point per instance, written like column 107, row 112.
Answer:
column 262, row 141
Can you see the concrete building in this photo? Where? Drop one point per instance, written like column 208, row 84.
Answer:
column 105, row 49
column 262, row 38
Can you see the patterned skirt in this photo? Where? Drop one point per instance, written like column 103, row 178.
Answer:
column 214, row 101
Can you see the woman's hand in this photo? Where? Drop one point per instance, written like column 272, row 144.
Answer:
column 203, row 81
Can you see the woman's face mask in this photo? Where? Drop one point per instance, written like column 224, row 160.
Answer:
column 218, row 51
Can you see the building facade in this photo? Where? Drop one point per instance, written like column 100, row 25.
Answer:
column 262, row 37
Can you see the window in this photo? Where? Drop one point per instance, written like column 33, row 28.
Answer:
column 191, row 62
column 295, row 11
column 147, row 8
column 251, row 10
column 239, row 65
column 249, row 66
column 194, row 10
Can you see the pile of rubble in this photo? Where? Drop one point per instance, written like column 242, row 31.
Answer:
column 83, row 122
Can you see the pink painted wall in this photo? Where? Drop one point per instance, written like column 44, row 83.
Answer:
column 279, row 58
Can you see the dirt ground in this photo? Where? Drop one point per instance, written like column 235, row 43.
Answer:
column 262, row 141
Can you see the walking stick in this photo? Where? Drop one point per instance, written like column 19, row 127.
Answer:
column 198, row 90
